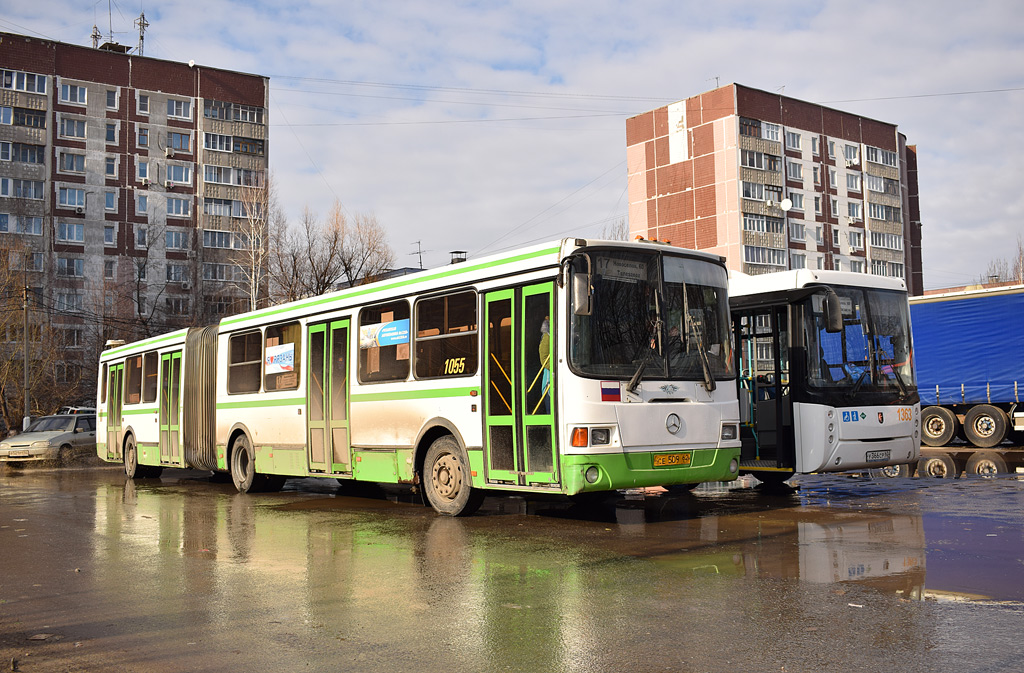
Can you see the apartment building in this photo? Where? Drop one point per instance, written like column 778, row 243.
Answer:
column 123, row 180
column 773, row 183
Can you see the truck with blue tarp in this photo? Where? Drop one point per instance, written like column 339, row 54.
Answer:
column 969, row 356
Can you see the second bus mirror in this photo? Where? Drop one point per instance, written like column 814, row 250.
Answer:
column 833, row 313
column 581, row 293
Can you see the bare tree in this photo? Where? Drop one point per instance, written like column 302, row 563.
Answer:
column 616, row 231
column 253, row 231
column 318, row 257
column 1007, row 270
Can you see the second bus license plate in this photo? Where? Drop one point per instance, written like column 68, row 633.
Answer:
column 876, row 456
column 672, row 459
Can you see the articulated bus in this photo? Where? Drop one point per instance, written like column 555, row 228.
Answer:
column 826, row 378
column 569, row 367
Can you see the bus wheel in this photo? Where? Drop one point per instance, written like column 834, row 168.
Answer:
column 985, row 425
column 986, row 464
column 447, row 479
column 938, row 426
column 939, row 466
column 131, row 459
column 890, row 471
column 243, row 465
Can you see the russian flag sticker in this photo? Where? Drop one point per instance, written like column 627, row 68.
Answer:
column 610, row 391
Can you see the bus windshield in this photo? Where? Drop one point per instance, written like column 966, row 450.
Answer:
column 655, row 316
column 871, row 354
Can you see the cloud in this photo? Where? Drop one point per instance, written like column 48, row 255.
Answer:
column 512, row 117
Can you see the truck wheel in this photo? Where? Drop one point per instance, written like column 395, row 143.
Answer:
column 986, row 464
column 939, row 466
column 890, row 472
column 447, row 481
column 938, row 426
column 985, row 425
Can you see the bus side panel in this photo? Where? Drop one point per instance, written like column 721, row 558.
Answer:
column 395, row 419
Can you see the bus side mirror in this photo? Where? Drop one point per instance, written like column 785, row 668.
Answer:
column 833, row 313
column 581, row 294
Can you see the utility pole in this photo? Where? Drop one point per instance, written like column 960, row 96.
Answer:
column 24, row 336
column 142, row 24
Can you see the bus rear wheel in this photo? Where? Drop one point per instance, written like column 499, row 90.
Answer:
column 132, row 469
column 447, row 480
column 243, row 466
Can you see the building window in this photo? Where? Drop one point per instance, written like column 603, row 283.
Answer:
column 798, row 260
column 111, row 133
column 182, row 109
column 178, row 207
column 213, row 109
column 141, row 204
column 818, row 236
column 22, row 81
column 797, row 231
column 143, row 139
column 853, row 182
column 179, row 141
column 71, row 268
column 180, row 174
column 73, row 94
column 798, row 200
column 71, row 232
column 143, row 106
column 111, row 99
column 874, row 183
column 215, row 141
column 176, row 273
column 109, row 234
column 143, row 170
column 109, row 268
column 110, row 201
column 751, row 159
column 762, row 223
column 817, row 205
column 792, row 141
column 760, row 255
column 69, row 302
column 111, row 167
column 877, row 211
column 247, row 146
column 817, row 175
column 750, row 127
column 176, row 239
column 886, row 241
column 815, row 149
column 140, row 237
column 794, row 170
column 854, row 211
column 32, row 226
column 72, row 128
column 71, row 197
column 22, row 153
column 72, row 163
column 835, row 237
column 217, row 239
column 176, row 305
column 220, row 272
column 856, row 239
column 753, row 190
column 831, row 149
column 884, row 157
column 770, row 131
column 852, row 154
column 833, row 204
column 833, row 180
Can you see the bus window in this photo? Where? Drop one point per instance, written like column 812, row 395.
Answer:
column 282, row 355
column 446, row 341
column 103, row 385
column 384, row 342
column 244, row 363
column 133, row 380
column 149, row 365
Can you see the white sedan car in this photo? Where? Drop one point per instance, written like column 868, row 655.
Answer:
column 54, row 438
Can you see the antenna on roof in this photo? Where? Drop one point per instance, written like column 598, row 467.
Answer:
column 419, row 251
column 142, row 24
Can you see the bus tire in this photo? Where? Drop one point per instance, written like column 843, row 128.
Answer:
column 986, row 464
column 243, row 465
column 446, row 479
column 938, row 426
column 985, row 425
column 890, row 471
column 938, row 466
column 132, row 469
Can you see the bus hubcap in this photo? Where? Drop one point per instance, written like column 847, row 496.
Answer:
column 447, row 476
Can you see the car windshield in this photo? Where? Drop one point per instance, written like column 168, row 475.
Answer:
column 53, row 424
column 663, row 315
column 871, row 353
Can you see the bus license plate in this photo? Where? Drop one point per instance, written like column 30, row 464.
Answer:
column 671, row 459
column 876, row 456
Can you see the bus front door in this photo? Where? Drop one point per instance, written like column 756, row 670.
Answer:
column 519, row 441
column 170, row 408
column 327, row 399
column 114, row 392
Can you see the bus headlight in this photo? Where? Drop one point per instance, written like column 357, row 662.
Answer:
column 592, row 474
column 729, row 432
column 600, row 436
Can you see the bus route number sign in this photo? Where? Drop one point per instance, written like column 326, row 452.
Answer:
column 672, row 459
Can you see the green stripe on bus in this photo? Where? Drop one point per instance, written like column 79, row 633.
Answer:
column 369, row 289
column 126, row 411
column 262, row 403
column 414, row 395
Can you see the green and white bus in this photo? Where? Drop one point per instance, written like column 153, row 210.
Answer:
column 570, row 367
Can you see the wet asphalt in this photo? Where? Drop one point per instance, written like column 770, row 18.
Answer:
column 839, row 573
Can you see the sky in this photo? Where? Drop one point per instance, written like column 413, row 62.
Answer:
column 481, row 126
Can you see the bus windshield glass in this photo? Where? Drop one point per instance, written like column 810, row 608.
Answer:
column 871, row 354
column 654, row 316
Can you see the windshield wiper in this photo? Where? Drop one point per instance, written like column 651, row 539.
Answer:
column 635, row 381
column 705, row 364
column 654, row 340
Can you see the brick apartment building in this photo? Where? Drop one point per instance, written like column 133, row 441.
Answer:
column 774, row 183
column 121, row 186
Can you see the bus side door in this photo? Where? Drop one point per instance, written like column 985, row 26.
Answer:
column 170, row 408
column 114, row 400
column 327, row 412
column 519, row 431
